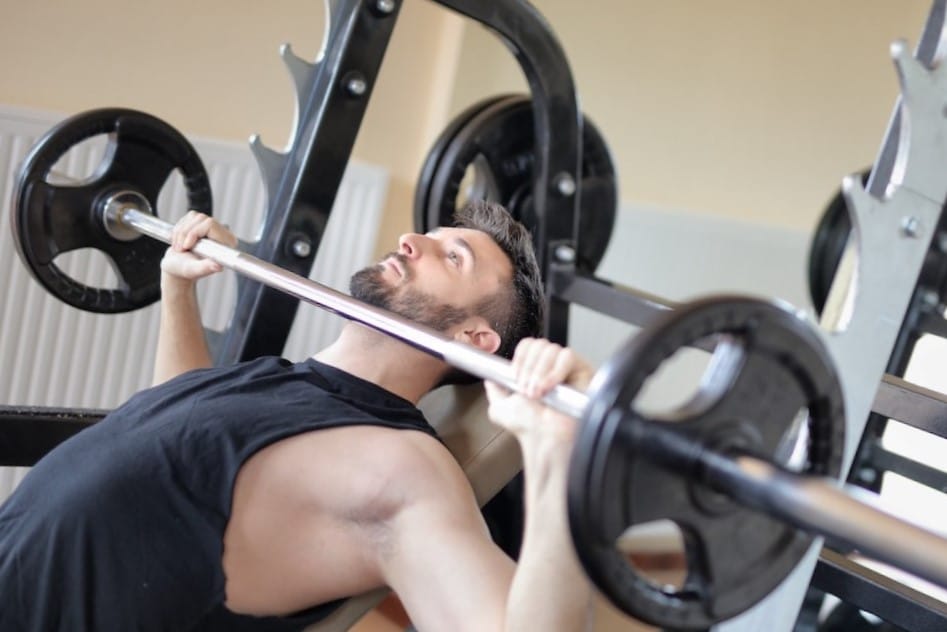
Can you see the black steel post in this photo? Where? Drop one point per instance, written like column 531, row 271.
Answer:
column 302, row 184
column 558, row 132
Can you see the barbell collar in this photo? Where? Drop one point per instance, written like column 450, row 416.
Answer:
column 485, row 365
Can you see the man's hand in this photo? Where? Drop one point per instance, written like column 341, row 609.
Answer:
column 539, row 365
column 181, row 344
column 179, row 264
column 550, row 590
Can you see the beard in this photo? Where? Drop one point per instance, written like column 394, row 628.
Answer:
column 368, row 286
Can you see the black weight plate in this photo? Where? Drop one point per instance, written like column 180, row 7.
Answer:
column 496, row 139
column 828, row 244
column 431, row 163
column 51, row 219
column 630, row 469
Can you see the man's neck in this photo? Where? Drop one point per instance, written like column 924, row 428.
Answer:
column 383, row 360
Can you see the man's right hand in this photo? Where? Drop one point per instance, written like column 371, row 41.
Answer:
column 179, row 264
column 539, row 366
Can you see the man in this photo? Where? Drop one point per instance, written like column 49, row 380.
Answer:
column 255, row 497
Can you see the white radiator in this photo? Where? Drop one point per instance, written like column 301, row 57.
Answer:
column 52, row 354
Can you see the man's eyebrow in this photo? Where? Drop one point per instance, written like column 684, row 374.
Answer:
column 464, row 245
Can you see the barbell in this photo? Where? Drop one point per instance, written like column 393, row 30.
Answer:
column 718, row 465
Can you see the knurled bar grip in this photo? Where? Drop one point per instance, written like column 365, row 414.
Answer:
column 811, row 503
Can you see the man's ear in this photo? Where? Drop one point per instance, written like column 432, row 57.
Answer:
column 478, row 332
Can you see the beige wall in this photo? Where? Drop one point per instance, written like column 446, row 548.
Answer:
column 734, row 107
column 738, row 108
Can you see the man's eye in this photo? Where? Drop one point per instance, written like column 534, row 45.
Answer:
column 454, row 257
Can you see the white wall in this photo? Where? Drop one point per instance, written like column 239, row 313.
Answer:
column 683, row 255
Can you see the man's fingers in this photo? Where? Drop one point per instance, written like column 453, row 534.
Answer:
column 494, row 391
column 562, row 366
column 538, row 366
column 188, row 265
column 194, row 226
column 526, row 362
column 548, row 370
column 181, row 229
column 197, row 230
column 508, row 409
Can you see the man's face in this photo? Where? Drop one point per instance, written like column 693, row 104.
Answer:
column 435, row 279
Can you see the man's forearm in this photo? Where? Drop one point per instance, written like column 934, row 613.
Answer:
column 181, row 343
column 550, row 590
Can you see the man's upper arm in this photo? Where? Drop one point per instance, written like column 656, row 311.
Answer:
column 443, row 565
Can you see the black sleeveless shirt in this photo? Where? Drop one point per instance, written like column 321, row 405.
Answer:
column 121, row 527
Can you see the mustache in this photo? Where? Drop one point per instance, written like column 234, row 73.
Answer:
column 400, row 258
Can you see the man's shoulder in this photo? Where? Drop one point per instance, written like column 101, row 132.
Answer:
column 405, row 455
column 417, row 465
column 388, row 471
column 415, row 451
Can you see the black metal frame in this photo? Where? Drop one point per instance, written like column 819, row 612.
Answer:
column 876, row 593
column 29, row 432
column 855, row 585
column 301, row 194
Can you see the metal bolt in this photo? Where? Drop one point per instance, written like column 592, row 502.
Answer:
column 867, row 475
column 385, row 6
column 910, row 226
column 565, row 184
column 930, row 298
column 565, row 254
column 355, row 85
column 301, row 248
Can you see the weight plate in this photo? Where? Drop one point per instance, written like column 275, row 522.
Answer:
column 422, row 193
column 630, row 467
column 828, row 244
column 487, row 152
column 49, row 219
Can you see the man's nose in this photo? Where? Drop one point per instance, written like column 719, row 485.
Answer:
column 411, row 245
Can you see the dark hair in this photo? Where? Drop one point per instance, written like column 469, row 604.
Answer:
column 518, row 312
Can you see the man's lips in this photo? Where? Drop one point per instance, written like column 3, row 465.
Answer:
column 393, row 264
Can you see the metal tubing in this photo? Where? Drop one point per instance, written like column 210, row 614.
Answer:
column 865, row 588
column 912, row 404
column 480, row 363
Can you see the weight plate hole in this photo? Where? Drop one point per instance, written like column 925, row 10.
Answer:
column 81, row 163
column 89, row 266
column 793, row 449
column 655, row 552
column 477, row 183
column 682, row 385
